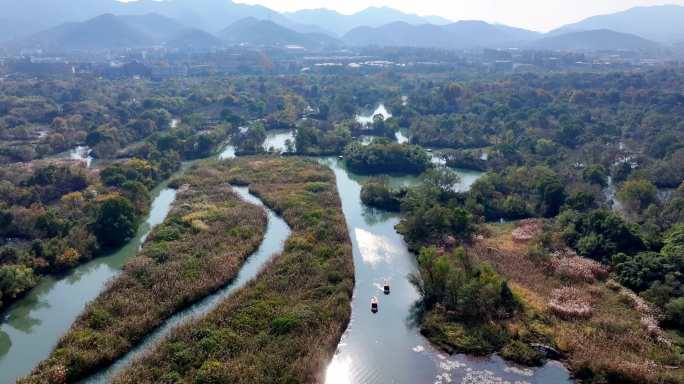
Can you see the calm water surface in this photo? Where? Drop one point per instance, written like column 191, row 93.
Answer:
column 381, row 348
column 31, row 327
column 277, row 139
column 387, row 347
column 274, row 240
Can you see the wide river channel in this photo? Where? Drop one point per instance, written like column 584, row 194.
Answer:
column 376, row 348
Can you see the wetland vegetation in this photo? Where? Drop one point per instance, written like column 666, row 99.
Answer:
column 199, row 248
column 285, row 324
column 584, row 170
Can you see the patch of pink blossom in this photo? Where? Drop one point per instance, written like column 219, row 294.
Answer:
column 569, row 303
column 568, row 264
column 527, row 230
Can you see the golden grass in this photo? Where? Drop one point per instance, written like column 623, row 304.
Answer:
column 284, row 326
column 610, row 345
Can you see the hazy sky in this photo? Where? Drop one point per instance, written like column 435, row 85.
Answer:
column 541, row 15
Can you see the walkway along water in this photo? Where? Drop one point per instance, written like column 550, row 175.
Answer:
column 274, row 240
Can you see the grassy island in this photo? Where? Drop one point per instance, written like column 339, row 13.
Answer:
column 284, row 326
column 199, row 248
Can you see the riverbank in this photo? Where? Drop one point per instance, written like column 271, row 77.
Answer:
column 199, row 248
column 570, row 310
column 285, row 324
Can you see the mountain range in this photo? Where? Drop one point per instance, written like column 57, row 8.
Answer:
column 596, row 40
column 459, row 35
column 370, row 17
column 139, row 31
column 253, row 31
column 664, row 24
column 88, row 24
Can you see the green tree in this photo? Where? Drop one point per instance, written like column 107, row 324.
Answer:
column 595, row 174
column 14, row 280
column 674, row 312
column 116, row 222
column 638, row 194
column 551, row 195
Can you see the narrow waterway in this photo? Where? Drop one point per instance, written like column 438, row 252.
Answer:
column 274, row 240
column 387, row 347
column 277, row 140
column 32, row 326
column 381, row 348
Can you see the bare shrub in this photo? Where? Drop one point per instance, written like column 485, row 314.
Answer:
column 575, row 268
column 527, row 230
column 569, row 303
column 649, row 315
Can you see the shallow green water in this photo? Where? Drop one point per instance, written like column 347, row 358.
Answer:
column 277, row 232
column 31, row 327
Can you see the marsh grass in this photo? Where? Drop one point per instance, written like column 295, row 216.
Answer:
column 199, row 248
column 284, row 326
column 609, row 344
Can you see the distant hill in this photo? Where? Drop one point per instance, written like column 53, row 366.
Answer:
column 459, row 35
column 663, row 23
column 102, row 32
column 127, row 31
column 370, row 17
column 253, row 31
column 518, row 34
column 31, row 16
column 195, row 40
column 597, row 40
column 156, row 26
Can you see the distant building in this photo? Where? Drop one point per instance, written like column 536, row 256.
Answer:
column 521, row 68
column 503, row 66
column 43, row 68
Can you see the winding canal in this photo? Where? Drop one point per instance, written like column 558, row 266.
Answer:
column 274, row 240
column 382, row 348
column 387, row 347
column 32, row 326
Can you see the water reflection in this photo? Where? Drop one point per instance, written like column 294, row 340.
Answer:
column 277, row 232
column 338, row 371
column 227, row 153
column 387, row 347
column 375, row 249
column 367, row 118
column 35, row 323
column 277, row 140
column 5, row 343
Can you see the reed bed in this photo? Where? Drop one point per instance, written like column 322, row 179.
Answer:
column 198, row 249
column 284, row 326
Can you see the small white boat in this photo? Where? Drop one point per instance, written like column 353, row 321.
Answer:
column 374, row 305
column 386, row 287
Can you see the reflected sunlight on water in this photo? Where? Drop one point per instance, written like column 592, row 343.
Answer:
column 338, row 371
column 375, row 249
